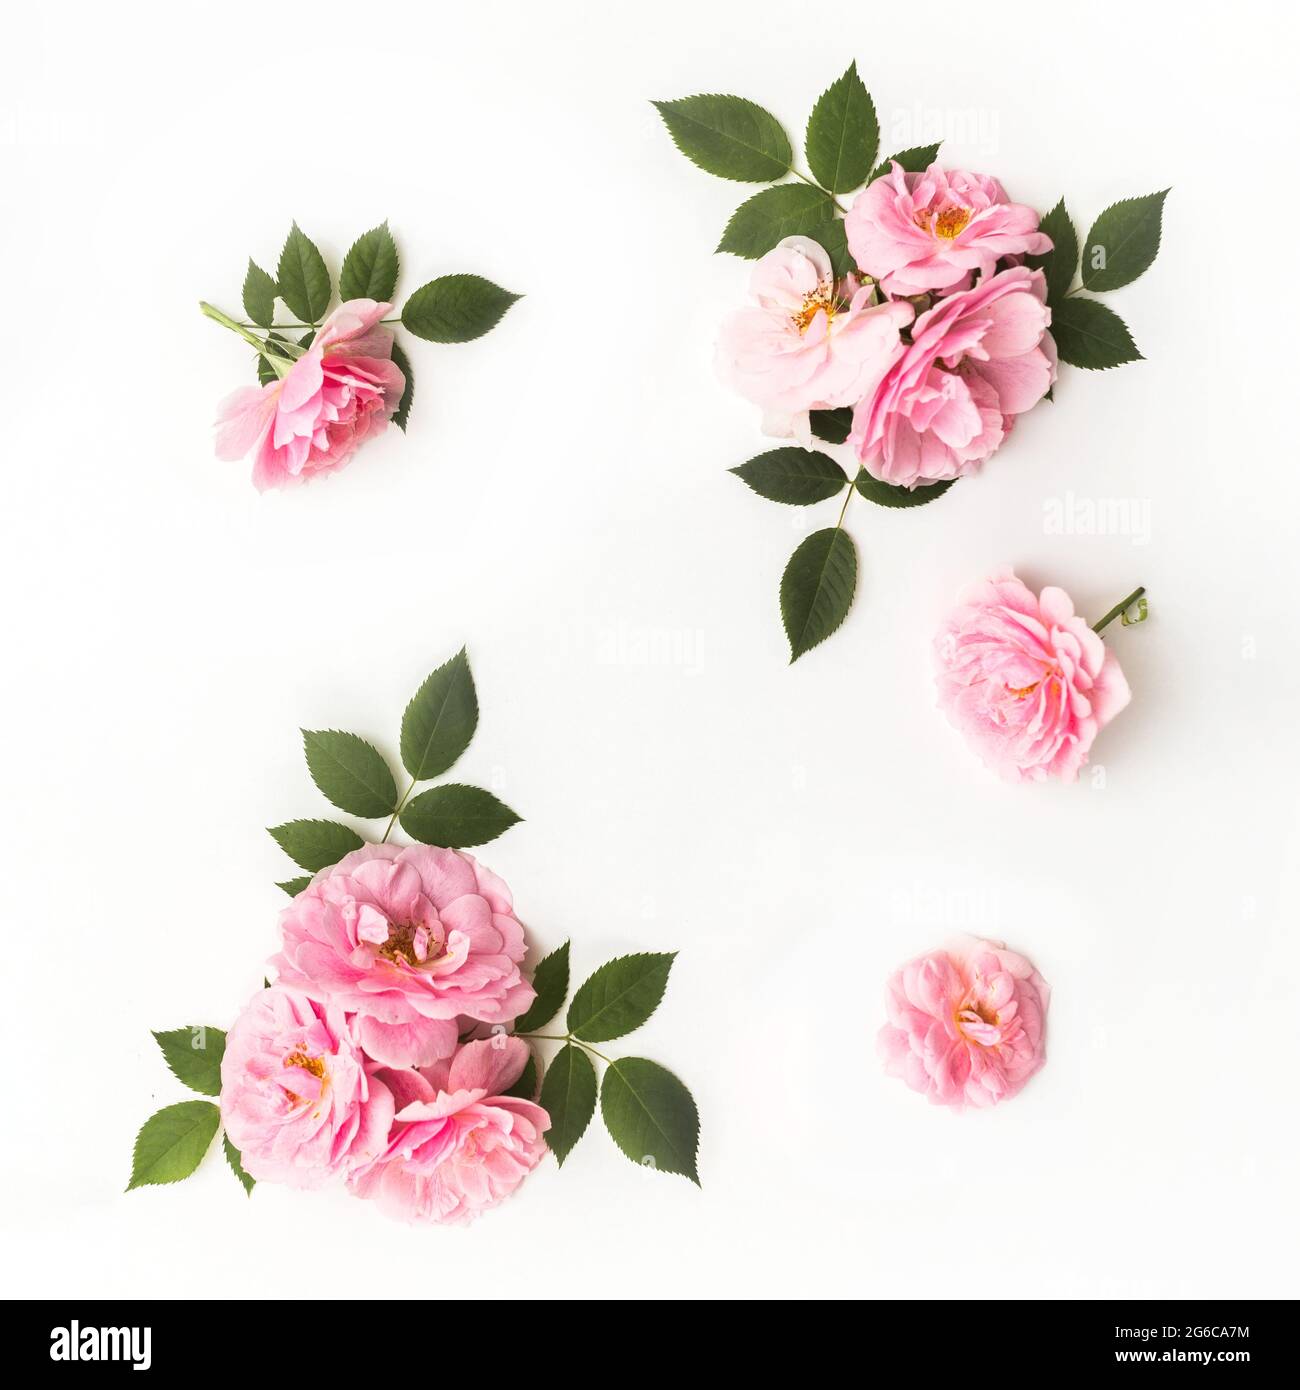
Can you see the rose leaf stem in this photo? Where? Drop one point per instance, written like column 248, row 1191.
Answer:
column 392, row 820
column 1122, row 607
column 812, row 184
column 567, row 1038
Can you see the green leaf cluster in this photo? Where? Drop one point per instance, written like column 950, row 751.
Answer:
column 353, row 775
column 648, row 1111
column 737, row 139
column 173, row 1141
column 1121, row 244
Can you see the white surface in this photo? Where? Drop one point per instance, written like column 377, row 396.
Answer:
column 562, row 505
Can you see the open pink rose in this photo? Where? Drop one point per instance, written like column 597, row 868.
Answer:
column 805, row 347
column 296, row 1099
column 409, row 938
column 933, row 231
column 341, row 391
column 965, row 1024
column 458, row 1144
column 976, row 360
column 1026, row 680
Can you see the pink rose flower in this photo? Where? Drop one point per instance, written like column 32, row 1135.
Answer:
column 965, row 1024
column 805, row 347
column 976, row 360
column 458, row 1145
column 341, row 391
column 410, row 939
column 296, row 1098
column 1027, row 681
column 933, row 231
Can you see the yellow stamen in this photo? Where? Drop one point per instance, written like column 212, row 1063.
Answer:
column 822, row 298
column 951, row 223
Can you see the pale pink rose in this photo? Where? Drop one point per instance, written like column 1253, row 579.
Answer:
column 296, row 1098
column 965, row 1024
column 1026, row 680
column 933, row 231
column 806, row 346
column 410, row 939
column 458, row 1145
column 976, row 360
column 340, row 392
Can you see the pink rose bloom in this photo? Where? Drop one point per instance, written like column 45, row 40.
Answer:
column 341, row 391
column 410, row 939
column 976, row 360
column 965, row 1024
column 296, row 1099
column 805, row 347
column 458, row 1145
column 933, row 231
column 1025, row 679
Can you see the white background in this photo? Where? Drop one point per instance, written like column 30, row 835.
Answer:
column 561, row 504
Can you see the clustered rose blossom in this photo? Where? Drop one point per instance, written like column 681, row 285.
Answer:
column 340, row 392
column 965, row 1024
column 937, row 344
column 351, row 1066
column 1026, row 679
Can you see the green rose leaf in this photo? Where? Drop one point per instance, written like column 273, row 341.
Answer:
column 350, row 772
column 833, row 239
column 440, row 720
column 194, row 1056
column 551, row 981
column 1059, row 264
column 817, row 588
column 651, row 1116
column 370, row 267
column 456, row 308
column 797, row 477
column 1123, row 242
column 259, row 295
column 843, row 134
column 728, row 136
column 619, row 997
column 569, row 1098
column 172, row 1142
column 294, row 886
column 526, row 1087
column 403, row 412
column 915, row 160
column 1088, row 334
column 315, row 844
column 304, row 281
column 890, row 495
column 788, row 209
column 237, row 1165
column 456, row 816
column 832, row 426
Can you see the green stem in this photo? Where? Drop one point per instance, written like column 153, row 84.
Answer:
column 853, row 487
column 226, row 321
column 1122, row 607
column 812, row 183
column 392, row 820
column 567, row 1038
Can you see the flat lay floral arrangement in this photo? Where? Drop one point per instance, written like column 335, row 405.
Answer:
column 910, row 328
column 397, row 1054
column 330, row 380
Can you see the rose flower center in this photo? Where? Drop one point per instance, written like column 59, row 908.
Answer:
column 314, row 1065
column 814, row 302
column 410, row 944
column 951, row 222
